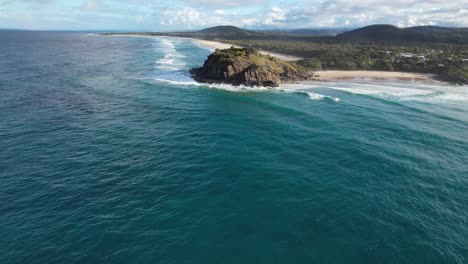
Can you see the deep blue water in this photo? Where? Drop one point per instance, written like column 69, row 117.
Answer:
column 110, row 153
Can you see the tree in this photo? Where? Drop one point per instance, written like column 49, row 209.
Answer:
column 345, row 64
column 383, row 65
column 311, row 63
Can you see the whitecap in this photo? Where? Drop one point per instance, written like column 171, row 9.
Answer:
column 303, row 89
column 406, row 91
column 170, row 58
column 319, row 97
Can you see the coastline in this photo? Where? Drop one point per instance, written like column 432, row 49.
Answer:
column 212, row 45
column 326, row 76
column 335, row 75
column 219, row 45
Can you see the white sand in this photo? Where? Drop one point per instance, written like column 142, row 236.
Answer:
column 371, row 75
column 219, row 45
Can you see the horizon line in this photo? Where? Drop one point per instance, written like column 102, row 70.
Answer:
column 244, row 28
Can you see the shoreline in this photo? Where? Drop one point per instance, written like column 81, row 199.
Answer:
column 336, row 75
column 212, row 45
column 323, row 75
column 220, row 45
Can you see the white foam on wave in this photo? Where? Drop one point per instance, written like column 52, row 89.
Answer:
column 449, row 97
column 406, row 91
column 184, row 81
column 399, row 91
column 171, row 59
column 443, row 93
column 318, row 97
column 165, row 44
column 305, row 89
column 171, row 76
column 379, row 89
column 182, row 78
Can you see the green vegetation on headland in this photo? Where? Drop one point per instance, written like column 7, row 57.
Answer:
column 247, row 66
column 435, row 50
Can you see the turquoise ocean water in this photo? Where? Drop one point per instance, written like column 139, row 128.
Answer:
column 110, row 153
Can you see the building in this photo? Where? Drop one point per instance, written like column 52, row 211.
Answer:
column 406, row 55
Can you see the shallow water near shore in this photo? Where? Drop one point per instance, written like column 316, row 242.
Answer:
column 111, row 153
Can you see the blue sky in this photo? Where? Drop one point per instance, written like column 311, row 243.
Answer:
column 160, row 15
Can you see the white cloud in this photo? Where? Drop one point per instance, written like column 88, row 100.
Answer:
column 192, row 14
column 308, row 13
column 210, row 4
column 185, row 16
column 326, row 13
column 275, row 16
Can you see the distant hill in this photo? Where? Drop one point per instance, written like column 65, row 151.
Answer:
column 223, row 30
column 235, row 33
column 307, row 31
column 427, row 34
column 12, row 29
column 374, row 33
column 317, row 31
column 228, row 32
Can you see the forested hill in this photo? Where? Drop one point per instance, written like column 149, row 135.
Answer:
column 235, row 33
column 426, row 34
column 224, row 32
column 373, row 33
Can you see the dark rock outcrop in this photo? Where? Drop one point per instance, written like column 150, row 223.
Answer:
column 247, row 67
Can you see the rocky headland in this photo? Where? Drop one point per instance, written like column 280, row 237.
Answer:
column 247, row 66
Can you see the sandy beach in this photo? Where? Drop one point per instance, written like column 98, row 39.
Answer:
column 219, row 45
column 371, row 75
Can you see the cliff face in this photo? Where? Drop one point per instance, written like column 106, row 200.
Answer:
column 247, row 67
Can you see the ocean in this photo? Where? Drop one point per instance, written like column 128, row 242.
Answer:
column 111, row 153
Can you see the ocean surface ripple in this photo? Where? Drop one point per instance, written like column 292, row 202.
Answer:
column 111, row 153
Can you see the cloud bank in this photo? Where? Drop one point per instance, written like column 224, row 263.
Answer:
column 192, row 14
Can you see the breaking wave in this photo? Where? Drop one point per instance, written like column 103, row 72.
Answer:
column 318, row 97
column 305, row 90
column 169, row 59
column 406, row 91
